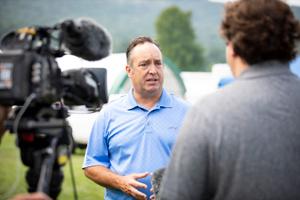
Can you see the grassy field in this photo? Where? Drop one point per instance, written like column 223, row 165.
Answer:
column 11, row 167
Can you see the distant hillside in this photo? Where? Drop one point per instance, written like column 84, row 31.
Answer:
column 124, row 19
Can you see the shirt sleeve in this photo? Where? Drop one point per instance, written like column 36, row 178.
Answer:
column 97, row 148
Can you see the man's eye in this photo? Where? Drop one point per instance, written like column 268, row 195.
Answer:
column 143, row 65
column 158, row 64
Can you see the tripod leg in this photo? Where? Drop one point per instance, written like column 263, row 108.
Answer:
column 32, row 177
column 56, row 183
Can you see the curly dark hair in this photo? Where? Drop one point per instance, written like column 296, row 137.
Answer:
column 261, row 30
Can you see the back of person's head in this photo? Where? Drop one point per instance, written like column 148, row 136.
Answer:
column 137, row 41
column 261, row 30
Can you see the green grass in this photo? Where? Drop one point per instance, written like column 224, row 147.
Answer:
column 11, row 167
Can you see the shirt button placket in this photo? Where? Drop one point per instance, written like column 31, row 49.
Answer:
column 148, row 129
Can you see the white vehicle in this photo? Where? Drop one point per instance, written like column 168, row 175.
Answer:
column 200, row 84
column 118, row 84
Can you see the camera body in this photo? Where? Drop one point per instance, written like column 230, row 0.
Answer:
column 23, row 73
column 32, row 82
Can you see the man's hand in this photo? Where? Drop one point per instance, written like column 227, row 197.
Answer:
column 127, row 184
column 32, row 196
column 130, row 184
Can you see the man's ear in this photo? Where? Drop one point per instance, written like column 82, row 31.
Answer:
column 231, row 49
column 128, row 70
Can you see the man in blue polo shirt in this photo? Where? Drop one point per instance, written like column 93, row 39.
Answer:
column 134, row 135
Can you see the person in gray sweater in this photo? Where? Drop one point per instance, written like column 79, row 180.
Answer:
column 243, row 142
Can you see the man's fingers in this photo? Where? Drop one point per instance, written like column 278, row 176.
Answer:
column 134, row 184
column 137, row 184
column 140, row 175
column 138, row 195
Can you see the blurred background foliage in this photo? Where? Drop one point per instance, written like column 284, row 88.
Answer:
column 187, row 29
column 178, row 40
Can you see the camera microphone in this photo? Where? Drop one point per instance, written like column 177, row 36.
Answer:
column 86, row 39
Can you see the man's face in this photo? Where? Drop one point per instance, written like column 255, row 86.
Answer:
column 146, row 69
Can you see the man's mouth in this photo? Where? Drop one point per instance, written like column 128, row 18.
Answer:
column 152, row 79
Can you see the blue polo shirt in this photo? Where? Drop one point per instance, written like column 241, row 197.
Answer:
column 128, row 138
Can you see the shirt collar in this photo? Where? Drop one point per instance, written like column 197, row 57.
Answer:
column 164, row 100
column 267, row 68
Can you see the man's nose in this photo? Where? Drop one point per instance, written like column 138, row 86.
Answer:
column 152, row 68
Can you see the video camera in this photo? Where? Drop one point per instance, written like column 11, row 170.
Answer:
column 40, row 93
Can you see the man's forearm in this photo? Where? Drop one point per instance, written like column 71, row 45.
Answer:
column 103, row 176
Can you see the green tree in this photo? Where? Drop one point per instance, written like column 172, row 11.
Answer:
column 177, row 39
